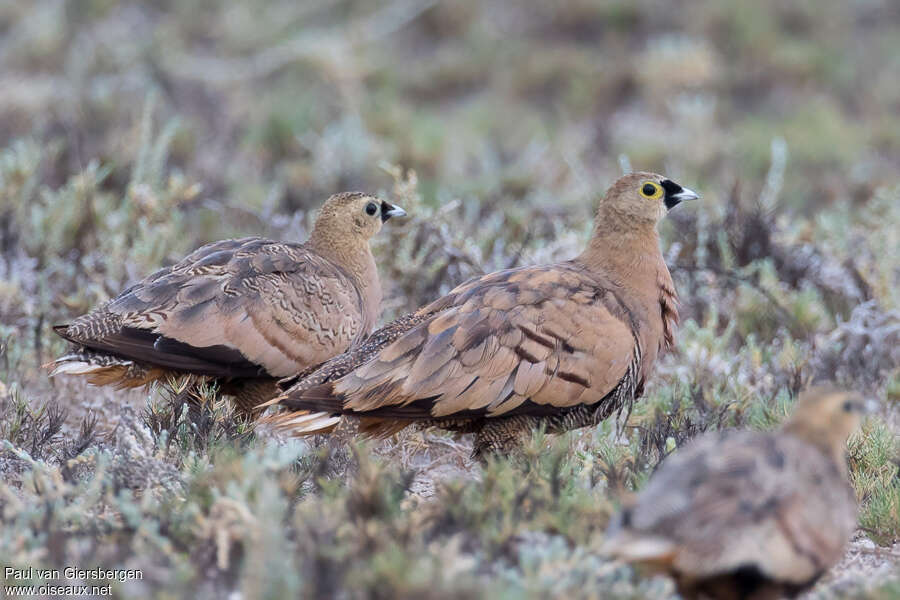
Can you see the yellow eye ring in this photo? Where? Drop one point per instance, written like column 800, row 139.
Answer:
column 651, row 190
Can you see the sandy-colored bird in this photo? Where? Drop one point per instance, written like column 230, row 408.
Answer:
column 563, row 344
column 749, row 515
column 245, row 311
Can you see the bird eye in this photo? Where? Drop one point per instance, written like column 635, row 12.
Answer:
column 651, row 190
column 371, row 208
column 848, row 406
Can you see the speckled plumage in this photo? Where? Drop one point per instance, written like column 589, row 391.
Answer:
column 565, row 344
column 749, row 515
column 240, row 309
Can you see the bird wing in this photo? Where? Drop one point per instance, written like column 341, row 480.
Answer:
column 338, row 366
column 532, row 341
column 230, row 308
column 744, row 499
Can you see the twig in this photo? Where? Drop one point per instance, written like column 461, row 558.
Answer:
column 517, row 256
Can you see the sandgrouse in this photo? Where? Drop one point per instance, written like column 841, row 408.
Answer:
column 564, row 344
column 749, row 515
column 245, row 311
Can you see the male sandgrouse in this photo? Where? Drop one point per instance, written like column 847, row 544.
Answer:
column 564, row 344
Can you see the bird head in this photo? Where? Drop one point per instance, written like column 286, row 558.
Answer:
column 642, row 198
column 827, row 416
column 354, row 216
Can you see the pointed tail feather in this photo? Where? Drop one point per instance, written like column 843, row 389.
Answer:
column 639, row 549
column 303, row 422
column 70, row 365
column 624, row 543
column 272, row 402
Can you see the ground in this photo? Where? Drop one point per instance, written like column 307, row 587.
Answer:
column 130, row 134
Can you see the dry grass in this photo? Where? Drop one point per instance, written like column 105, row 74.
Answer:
column 131, row 133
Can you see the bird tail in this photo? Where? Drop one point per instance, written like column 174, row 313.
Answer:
column 302, row 422
column 639, row 549
column 103, row 369
column 625, row 544
column 315, row 409
column 316, row 398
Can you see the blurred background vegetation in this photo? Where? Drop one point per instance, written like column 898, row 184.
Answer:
column 131, row 133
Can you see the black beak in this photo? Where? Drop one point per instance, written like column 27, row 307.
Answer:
column 389, row 210
column 675, row 194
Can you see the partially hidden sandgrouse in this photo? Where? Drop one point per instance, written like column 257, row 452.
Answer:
column 749, row 515
column 245, row 311
column 564, row 344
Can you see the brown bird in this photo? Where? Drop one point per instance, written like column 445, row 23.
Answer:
column 564, row 344
column 749, row 515
column 244, row 311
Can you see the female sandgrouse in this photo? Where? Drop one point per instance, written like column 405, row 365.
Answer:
column 243, row 311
